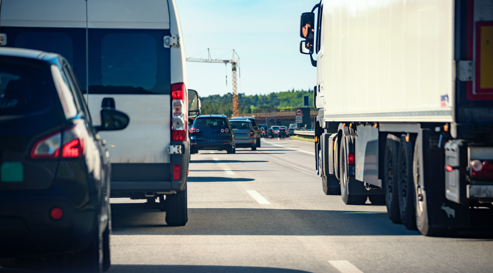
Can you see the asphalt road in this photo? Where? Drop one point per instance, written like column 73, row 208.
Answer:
column 264, row 211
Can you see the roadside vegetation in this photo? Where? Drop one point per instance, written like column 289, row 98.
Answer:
column 284, row 101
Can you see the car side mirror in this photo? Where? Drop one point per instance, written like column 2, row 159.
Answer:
column 113, row 120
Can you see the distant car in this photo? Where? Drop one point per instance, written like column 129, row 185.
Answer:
column 282, row 131
column 244, row 133
column 212, row 132
column 263, row 130
column 55, row 169
column 273, row 131
column 256, row 129
column 290, row 131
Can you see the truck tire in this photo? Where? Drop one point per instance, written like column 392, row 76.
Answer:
column 377, row 200
column 177, row 209
column 349, row 199
column 390, row 178
column 330, row 185
column 422, row 215
column 405, row 185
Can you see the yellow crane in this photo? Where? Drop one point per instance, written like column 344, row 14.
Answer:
column 235, row 68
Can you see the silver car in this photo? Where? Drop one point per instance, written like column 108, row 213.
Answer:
column 244, row 133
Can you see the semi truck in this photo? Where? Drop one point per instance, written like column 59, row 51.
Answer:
column 405, row 98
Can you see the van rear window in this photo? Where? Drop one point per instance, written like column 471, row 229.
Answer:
column 25, row 87
column 128, row 62
column 210, row 122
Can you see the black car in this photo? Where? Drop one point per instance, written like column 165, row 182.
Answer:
column 212, row 132
column 54, row 167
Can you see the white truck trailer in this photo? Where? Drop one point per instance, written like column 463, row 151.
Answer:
column 405, row 98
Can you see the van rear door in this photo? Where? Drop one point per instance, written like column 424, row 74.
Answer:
column 129, row 68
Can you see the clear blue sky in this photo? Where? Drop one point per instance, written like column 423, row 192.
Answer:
column 265, row 34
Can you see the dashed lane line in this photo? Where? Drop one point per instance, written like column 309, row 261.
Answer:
column 294, row 149
column 345, row 267
column 260, row 199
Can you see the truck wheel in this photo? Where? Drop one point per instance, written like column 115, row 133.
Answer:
column 406, row 184
column 377, row 200
column 331, row 185
column 177, row 209
column 390, row 178
column 422, row 216
column 348, row 199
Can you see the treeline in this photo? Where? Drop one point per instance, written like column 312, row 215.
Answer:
column 273, row 102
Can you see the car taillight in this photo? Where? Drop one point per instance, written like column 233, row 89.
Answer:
column 350, row 159
column 176, row 171
column 482, row 169
column 193, row 130
column 47, row 147
column 178, row 106
column 222, row 130
column 226, row 130
column 72, row 147
column 252, row 133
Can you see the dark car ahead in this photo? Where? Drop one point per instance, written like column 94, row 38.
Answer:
column 256, row 129
column 54, row 168
column 212, row 132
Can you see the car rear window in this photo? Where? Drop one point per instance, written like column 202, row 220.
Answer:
column 25, row 87
column 275, row 128
column 210, row 122
column 240, row 124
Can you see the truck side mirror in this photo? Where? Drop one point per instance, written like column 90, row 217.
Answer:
column 307, row 25
column 306, row 48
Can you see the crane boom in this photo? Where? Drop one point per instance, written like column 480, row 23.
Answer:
column 235, row 66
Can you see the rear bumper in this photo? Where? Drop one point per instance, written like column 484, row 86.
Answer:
column 26, row 228
column 210, row 146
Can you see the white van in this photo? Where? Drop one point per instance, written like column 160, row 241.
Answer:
column 128, row 54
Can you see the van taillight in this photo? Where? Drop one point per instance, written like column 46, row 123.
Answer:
column 350, row 159
column 252, row 133
column 178, row 106
column 72, row 147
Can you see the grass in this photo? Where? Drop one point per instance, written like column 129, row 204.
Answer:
column 304, row 138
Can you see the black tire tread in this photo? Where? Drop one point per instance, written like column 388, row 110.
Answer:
column 391, row 201
column 177, row 209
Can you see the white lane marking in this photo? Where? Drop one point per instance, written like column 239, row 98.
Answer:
column 294, row 149
column 215, row 159
column 260, row 199
column 345, row 266
column 229, row 172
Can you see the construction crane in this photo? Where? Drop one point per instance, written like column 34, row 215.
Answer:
column 235, row 68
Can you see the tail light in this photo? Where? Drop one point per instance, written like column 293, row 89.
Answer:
column 73, row 145
column 350, row 159
column 226, row 130
column 482, row 169
column 193, row 130
column 222, row 130
column 56, row 213
column 179, row 125
column 252, row 133
column 176, row 171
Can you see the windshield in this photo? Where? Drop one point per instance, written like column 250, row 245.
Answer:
column 275, row 128
column 240, row 124
column 210, row 122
